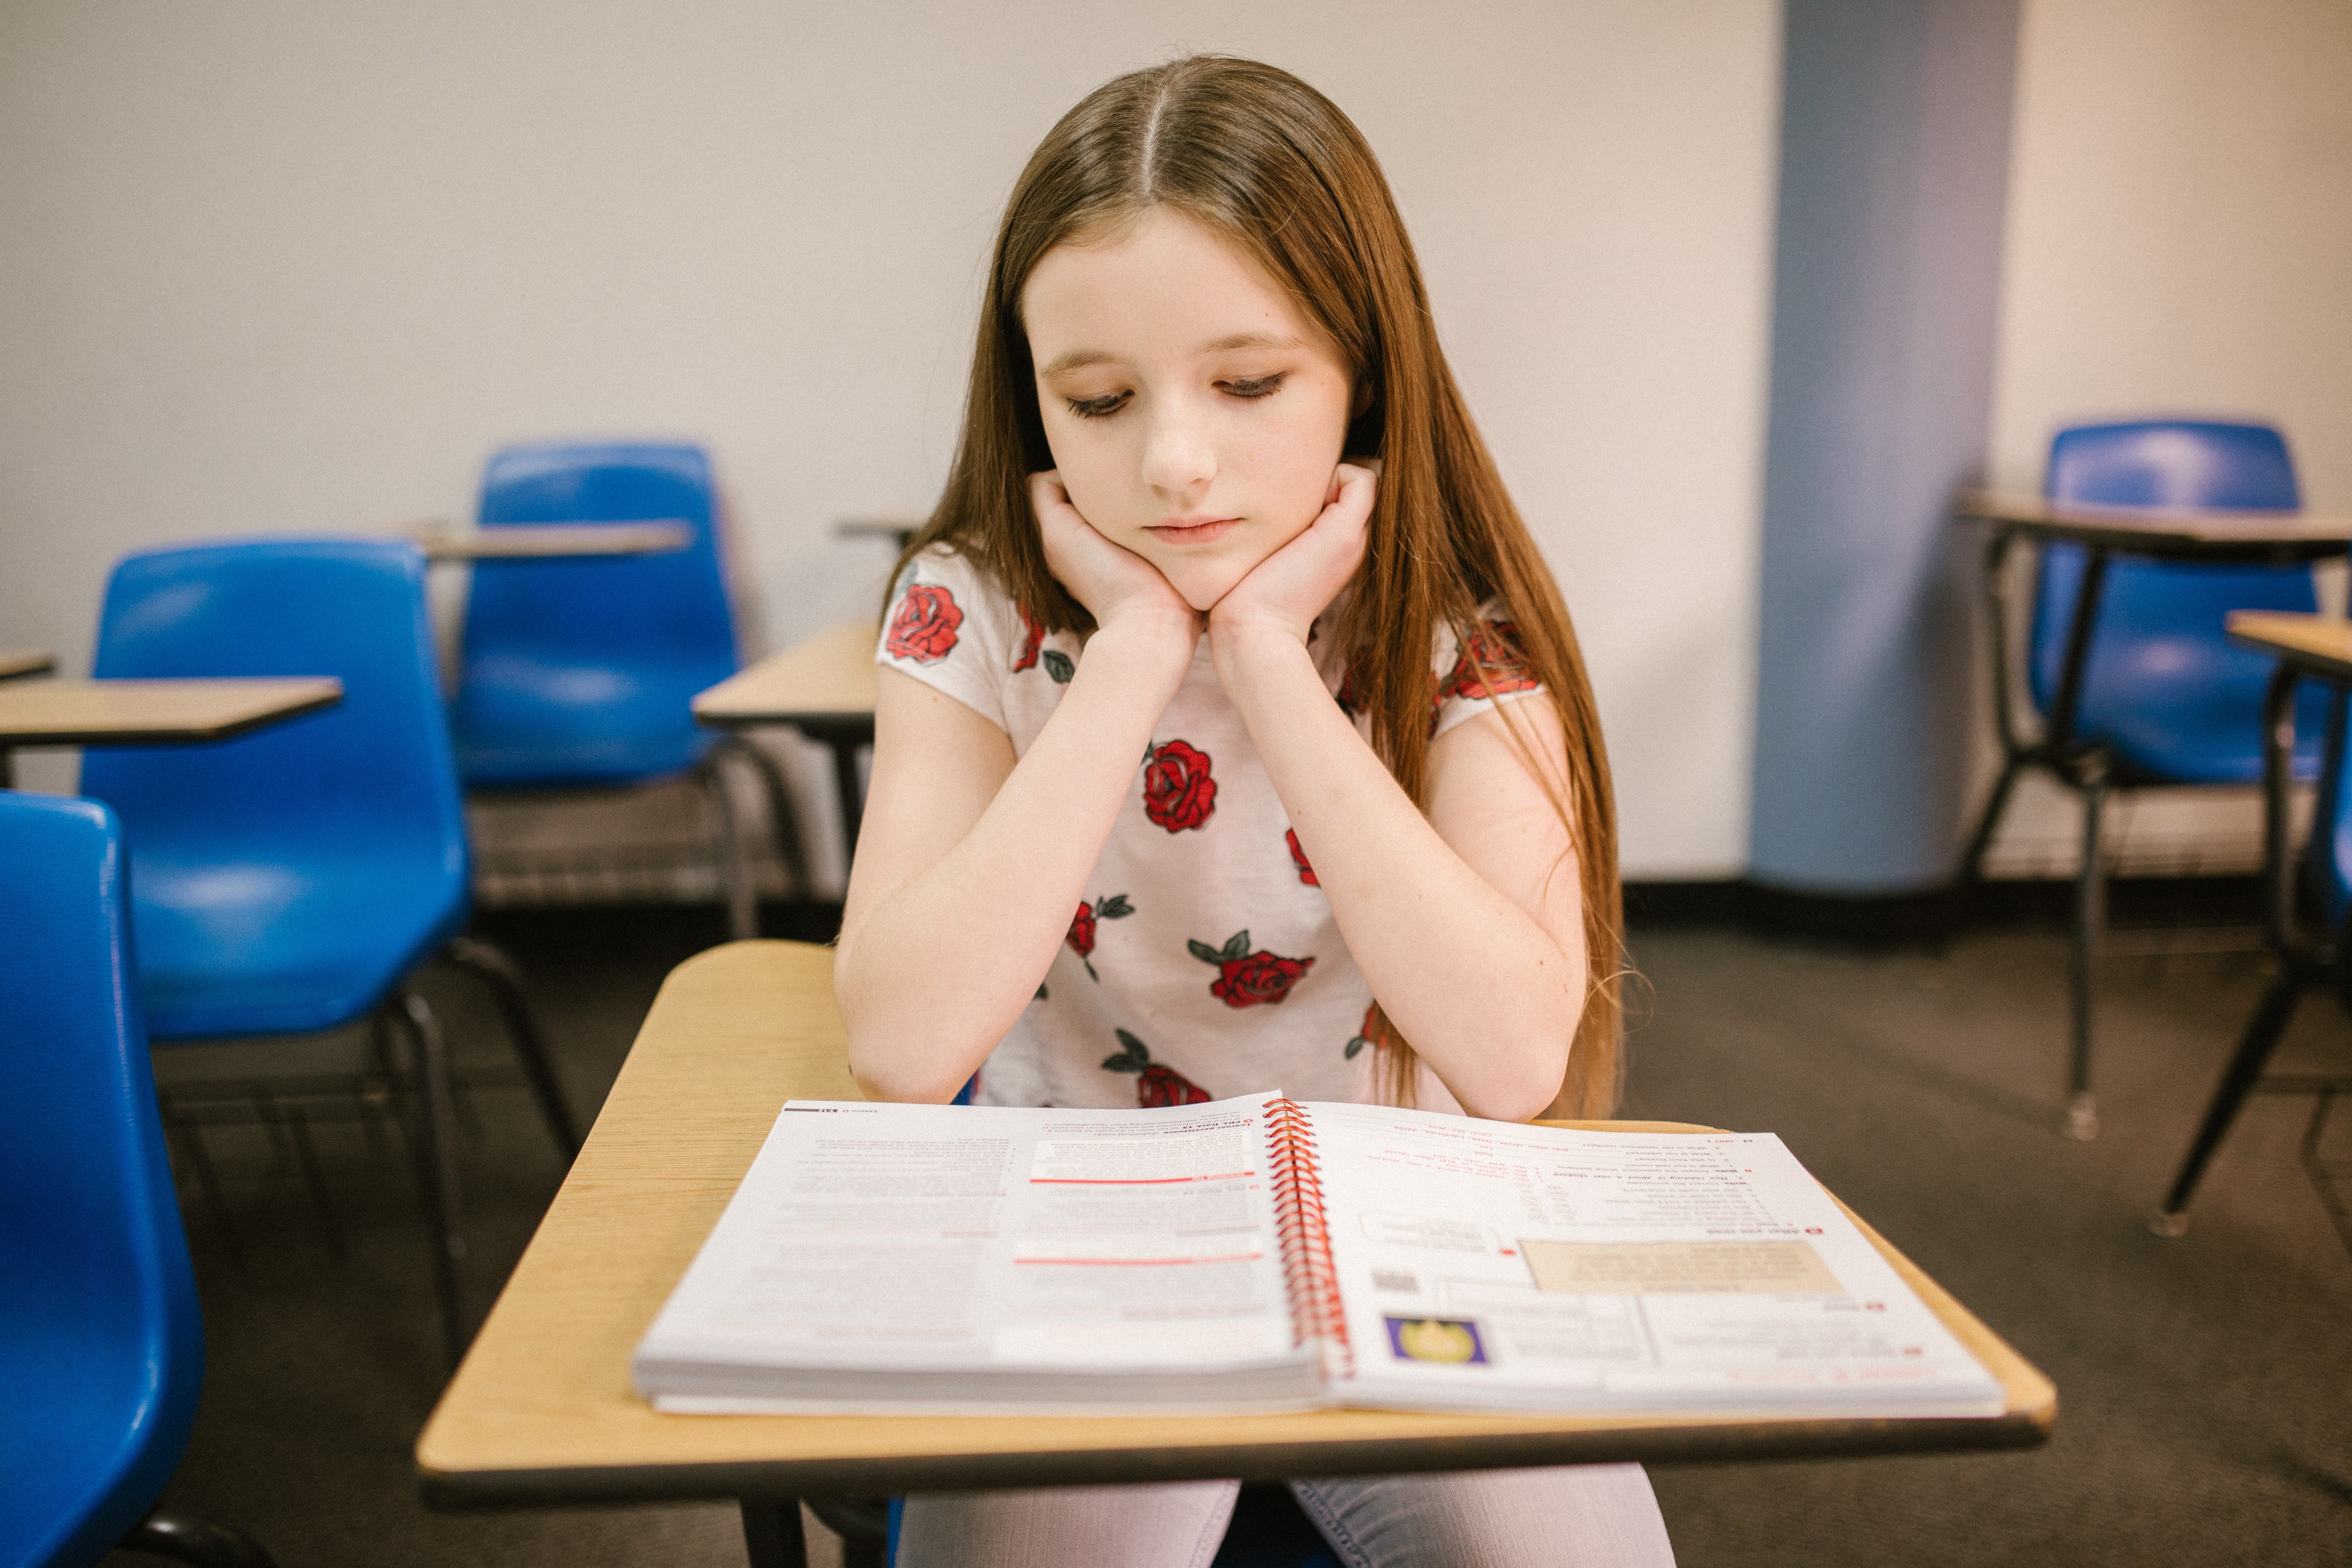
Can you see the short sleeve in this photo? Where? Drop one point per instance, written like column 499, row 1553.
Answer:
column 951, row 628
column 1491, row 667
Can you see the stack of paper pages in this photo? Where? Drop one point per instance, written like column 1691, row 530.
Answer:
column 1260, row 1253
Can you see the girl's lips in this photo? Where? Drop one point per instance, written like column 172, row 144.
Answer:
column 1203, row 533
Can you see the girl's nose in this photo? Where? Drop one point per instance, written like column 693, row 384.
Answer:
column 1178, row 455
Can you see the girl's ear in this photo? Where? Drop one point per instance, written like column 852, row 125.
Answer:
column 1363, row 401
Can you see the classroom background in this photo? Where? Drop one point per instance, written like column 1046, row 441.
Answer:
column 1741, row 291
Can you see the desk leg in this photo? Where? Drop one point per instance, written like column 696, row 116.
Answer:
column 771, row 1533
column 2090, row 936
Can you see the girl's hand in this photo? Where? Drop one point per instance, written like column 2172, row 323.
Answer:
column 1113, row 584
column 1289, row 588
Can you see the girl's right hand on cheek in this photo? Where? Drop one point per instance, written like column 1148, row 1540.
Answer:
column 1113, row 584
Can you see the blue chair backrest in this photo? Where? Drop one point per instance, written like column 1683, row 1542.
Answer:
column 2160, row 630
column 665, row 619
column 367, row 783
column 100, row 1334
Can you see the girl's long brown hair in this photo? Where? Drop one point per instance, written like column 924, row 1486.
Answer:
column 1259, row 156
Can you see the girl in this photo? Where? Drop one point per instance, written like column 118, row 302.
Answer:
column 1226, row 636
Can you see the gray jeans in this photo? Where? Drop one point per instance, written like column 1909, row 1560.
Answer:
column 1581, row 1516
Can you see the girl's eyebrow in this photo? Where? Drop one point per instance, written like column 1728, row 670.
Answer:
column 1078, row 359
column 1250, row 341
column 1075, row 358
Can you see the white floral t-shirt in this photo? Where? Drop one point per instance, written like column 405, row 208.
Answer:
column 1205, row 961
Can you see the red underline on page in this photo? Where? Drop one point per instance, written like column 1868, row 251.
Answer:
column 1131, row 1181
column 1139, row 1262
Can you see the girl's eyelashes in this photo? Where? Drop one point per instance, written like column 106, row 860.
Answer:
column 1097, row 407
column 1264, row 386
column 1110, row 402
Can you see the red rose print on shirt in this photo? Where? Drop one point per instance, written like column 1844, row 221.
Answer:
column 1370, row 1034
column 1306, row 872
column 1178, row 791
column 1033, row 637
column 1495, row 644
column 1244, row 978
column 925, row 627
column 1082, row 928
column 1154, row 1085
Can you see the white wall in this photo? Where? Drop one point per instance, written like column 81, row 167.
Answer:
column 2179, row 241
column 302, row 266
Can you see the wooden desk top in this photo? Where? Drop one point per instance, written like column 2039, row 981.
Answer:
column 829, row 677
column 152, row 713
column 2319, row 644
column 542, row 1411
column 897, row 530
column 557, row 540
column 17, row 661
column 2164, row 531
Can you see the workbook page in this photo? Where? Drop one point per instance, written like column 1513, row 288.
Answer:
column 963, row 1238
column 1489, row 1264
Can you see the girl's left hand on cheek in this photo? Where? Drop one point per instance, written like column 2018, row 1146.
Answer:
column 1290, row 587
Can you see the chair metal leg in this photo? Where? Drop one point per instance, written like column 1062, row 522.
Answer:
column 436, row 1167
column 735, row 874
column 1980, row 841
column 2237, row 1081
column 186, row 1539
column 784, row 820
column 190, row 1137
column 2090, row 935
column 494, row 969
column 771, row 1533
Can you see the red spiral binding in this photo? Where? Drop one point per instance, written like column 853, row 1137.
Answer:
column 1315, row 1314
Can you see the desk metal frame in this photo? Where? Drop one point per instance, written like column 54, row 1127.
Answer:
column 2306, row 957
column 2084, row 765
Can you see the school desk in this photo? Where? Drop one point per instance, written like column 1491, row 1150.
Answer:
column 2316, row 648
column 540, row 1412
column 150, row 712
column 554, row 540
column 824, row 689
column 897, row 530
column 17, row 661
column 2164, row 533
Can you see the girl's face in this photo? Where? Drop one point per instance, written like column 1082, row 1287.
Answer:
column 1194, row 414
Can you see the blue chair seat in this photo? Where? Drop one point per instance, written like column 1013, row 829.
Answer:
column 268, row 947
column 522, row 722
column 2200, row 736
column 2166, row 692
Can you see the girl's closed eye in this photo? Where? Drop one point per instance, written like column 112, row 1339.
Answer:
column 1260, row 387
column 1100, row 407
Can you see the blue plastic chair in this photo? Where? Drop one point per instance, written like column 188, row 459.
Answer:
column 101, row 1346
column 582, row 673
column 2320, row 882
column 2164, row 697
column 293, row 879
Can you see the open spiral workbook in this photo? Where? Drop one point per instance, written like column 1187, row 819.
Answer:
column 1262, row 1253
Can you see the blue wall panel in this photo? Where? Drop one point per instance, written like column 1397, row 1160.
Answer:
column 1893, row 176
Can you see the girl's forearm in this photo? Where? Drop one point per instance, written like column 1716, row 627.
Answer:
column 936, row 972
column 1484, row 992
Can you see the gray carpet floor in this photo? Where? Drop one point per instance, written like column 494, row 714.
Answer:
column 2205, row 1383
